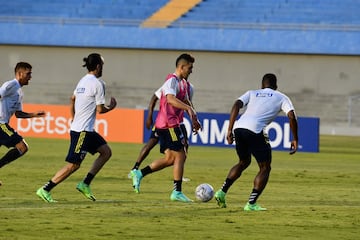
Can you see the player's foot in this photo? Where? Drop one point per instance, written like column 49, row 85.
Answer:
column 85, row 189
column 179, row 196
column 45, row 195
column 253, row 207
column 220, row 198
column 136, row 176
column 0, row 183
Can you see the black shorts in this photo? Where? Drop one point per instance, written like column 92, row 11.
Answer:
column 81, row 143
column 154, row 133
column 171, row 138
column 8, row 136
column 183, row 129
column 248, row 142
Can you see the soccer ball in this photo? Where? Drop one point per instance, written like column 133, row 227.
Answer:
column 204, row 192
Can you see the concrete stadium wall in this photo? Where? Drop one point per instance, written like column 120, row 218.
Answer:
column 318, row 84
column 320, row 39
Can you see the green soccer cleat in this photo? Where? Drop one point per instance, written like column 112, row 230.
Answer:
column 85, row 189
column 45, row 195
column 253, row 207
column 180, row 197
column 136, row 176
column 220, row 198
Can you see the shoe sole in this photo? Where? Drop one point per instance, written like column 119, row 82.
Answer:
column 44, row 198
column 220, row 203
column 92, row 198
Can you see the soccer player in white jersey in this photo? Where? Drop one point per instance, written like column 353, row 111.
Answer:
column 88, row 100
column 263, row 105
column 11, row 97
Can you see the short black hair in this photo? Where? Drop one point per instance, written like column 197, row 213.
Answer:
column 92, row 61
column 186, row 57
column 270, row 80
column 22, row 65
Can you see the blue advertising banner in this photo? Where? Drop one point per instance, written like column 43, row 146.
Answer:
column 215, row 127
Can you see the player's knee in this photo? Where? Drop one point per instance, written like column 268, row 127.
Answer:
column 22, row 147
column 106, row 152
column 73, row 167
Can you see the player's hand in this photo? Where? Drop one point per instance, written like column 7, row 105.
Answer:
column 230, row 137
column 196, row 126
column 293, row 147
column 112, row 104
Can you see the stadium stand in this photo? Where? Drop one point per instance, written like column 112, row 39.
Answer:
column 276, row 11
column 329, row 27
column 308, row 26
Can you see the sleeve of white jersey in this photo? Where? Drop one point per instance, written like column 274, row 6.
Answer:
column 191, row 93
column 169, row 87
column 287, row 105
column 100, row 93
column 158, row 93
column 245, row 98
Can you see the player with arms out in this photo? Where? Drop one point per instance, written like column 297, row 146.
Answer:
column 263, row 105
column 167, row 124
column 87, row 100
column 11, row 97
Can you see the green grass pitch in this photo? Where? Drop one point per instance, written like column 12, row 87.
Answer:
column 309, row 196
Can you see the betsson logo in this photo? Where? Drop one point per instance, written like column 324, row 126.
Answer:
column 51, row 125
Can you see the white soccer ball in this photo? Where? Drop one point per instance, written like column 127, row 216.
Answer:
column 204, row 192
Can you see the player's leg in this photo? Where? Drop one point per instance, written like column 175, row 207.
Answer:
column 11, row 139
column 145, row 150
column 61, row 175
column 262, row 153
column 178, row 172
column 244, row 155
column 74, row 158
column 94, row 143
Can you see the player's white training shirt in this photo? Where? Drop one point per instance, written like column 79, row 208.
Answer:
column 11, row 97
column 263, row 106
column 89, row 92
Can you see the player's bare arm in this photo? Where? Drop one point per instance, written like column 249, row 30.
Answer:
column 233, row 115
column 21, row 114
column 294, row 130
column 152, row 103
column 72, row 106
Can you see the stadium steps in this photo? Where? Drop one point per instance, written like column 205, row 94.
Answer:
column 173, row 10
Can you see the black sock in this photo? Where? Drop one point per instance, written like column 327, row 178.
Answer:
column 227, row 184
column 89, row 177
column 177, row 185
column 136, row 166
column 49, row 185
column 10, row 156
column 254, row 196
column 146, row 170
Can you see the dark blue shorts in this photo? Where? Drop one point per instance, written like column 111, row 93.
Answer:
column 82, row 143
column 154, row 133
column 8, row 136
column 183, row 129
column 248, row 142
column 171, row 138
